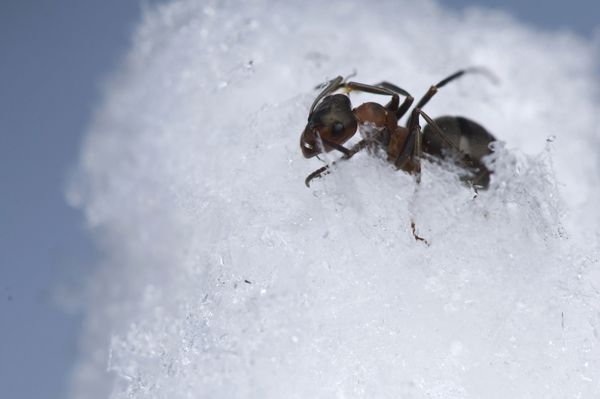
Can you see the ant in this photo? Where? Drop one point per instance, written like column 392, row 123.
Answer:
column 332, row 122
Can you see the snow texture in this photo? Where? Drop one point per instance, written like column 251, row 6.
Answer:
column 223, row 276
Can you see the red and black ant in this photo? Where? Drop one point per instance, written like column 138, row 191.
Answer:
column 332, row 122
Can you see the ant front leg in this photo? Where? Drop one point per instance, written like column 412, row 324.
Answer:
column 385, row 88
column 405, row 104
column 322, row 171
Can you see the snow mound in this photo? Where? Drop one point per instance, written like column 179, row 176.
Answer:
column 223, row 276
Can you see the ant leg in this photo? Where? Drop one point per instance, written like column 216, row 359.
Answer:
column 465, row 157
column 413, row 148
column 385, row 89
column 374, row 89
column 417, row 152
column 406, row 152
column 407, row 101
column 336, row 146
column 415, row 135
column 332, row 144
column 413, row 227
column 439, row 131
column 389, row 89
column 433, row 89
column 325, row 169
column 317, row 173
column 416, row 156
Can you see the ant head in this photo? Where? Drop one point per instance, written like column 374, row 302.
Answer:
column 332, row 121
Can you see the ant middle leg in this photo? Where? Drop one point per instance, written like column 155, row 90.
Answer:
column 451, row 140
column 409, row 158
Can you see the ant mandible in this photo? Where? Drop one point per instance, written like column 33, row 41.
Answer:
column 332, row 122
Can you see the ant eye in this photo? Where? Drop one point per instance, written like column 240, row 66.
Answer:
column 337, row 129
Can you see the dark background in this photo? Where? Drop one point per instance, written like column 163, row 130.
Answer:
column 54, row 56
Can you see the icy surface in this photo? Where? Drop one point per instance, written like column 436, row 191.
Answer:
column 223, row 276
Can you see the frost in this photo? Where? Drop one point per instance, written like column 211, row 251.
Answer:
column 224, row 277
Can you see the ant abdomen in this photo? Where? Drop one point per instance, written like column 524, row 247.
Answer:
column 470, row 142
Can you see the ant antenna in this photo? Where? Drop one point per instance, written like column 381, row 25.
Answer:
column 353, row 74
column 482, row 71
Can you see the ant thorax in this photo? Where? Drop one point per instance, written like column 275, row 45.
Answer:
column 370, row 131
column 375, row 136
column 375, row 122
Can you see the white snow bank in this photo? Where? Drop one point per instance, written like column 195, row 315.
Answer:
column 224, row 277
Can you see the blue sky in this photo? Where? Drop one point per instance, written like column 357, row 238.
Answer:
column 580, row 16
column 54, row 54
column 53, row 60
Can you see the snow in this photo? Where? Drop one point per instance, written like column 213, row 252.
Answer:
column 223, row 276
